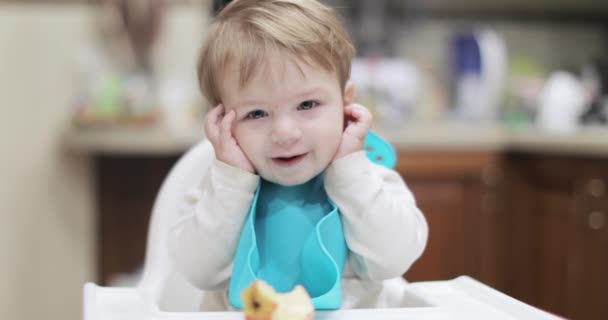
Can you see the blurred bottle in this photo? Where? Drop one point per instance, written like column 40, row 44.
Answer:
column 561, row 103
column 479, row 64
column 466, row 76
column 525, row 83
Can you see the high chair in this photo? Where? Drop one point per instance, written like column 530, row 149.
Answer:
column 162, row 293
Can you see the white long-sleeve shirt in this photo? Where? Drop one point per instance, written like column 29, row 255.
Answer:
column 383, row 228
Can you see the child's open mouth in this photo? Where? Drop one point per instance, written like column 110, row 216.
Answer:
column 288, row 161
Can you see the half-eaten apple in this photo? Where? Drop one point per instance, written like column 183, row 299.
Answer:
column 262, row 302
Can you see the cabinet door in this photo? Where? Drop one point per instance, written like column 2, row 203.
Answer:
column 456, row 193
column 554, row 236
column 539, row 200
column 485, row 226
column 520, row 206
column 558, row 257
column 442, row 203
column 588, row 265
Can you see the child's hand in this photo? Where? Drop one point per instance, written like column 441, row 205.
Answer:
column 218, row 128
column 358, row 121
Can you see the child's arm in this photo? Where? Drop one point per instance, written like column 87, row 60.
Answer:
column 203, row 242
column 383, row 227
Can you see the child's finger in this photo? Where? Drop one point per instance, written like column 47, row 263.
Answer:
column 361, row 119
column 226, row 128
column 211, row 122
column 357, row 113
column 349, row 115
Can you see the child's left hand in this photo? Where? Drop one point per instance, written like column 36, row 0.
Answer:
column 358, row 121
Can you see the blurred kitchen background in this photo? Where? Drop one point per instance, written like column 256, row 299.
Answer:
column 498, row 109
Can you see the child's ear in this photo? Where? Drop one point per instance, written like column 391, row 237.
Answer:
column 349, row 93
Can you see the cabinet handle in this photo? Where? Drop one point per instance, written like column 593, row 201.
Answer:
column 596, row 220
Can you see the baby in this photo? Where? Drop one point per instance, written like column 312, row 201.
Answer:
column 288, row 154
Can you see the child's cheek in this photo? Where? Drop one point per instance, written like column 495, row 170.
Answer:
column 246, row 133
column 240, row 127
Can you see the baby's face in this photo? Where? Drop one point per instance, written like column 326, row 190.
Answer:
column 289, row 123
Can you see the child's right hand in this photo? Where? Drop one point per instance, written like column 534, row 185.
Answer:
column 218, row 128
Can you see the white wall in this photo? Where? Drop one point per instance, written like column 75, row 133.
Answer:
column 47, row 205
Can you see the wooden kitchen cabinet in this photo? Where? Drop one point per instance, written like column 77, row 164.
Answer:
column 459, row 195
column 126, row 190
column 558, row 257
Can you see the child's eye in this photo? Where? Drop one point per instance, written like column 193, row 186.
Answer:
column 307, row 105
column 256, row 114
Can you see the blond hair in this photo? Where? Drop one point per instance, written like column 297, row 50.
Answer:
column 245, row 31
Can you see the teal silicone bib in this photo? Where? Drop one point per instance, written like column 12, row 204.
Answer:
column 291, row 238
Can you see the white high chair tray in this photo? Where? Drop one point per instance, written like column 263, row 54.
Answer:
column 461, row 298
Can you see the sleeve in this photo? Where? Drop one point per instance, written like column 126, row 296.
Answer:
column 384, row 229
column 203, row 241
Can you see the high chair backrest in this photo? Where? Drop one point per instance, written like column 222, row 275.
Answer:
column 160, row 282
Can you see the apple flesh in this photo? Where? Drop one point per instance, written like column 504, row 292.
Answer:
column 262, row 302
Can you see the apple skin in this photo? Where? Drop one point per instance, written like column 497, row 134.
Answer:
column 262, row 302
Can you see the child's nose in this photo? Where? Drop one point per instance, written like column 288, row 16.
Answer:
column 285, row 131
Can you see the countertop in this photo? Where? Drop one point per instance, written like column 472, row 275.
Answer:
column 445, row 137
column 432, row 137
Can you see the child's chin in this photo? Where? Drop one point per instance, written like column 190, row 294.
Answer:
column 290, row 181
